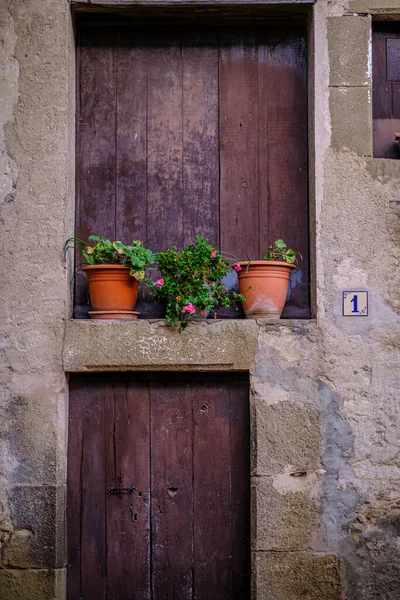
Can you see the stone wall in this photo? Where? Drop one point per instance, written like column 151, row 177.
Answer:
column 325, row 417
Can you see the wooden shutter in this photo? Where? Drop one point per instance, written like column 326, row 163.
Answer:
column 185, row 132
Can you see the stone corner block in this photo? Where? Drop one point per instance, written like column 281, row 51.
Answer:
column 295, row 575
column 282, row 520
column 390, row 7
column 349, row 40
column 286, row 433
column 38, row 516
column 32, row 584
column 351, row 120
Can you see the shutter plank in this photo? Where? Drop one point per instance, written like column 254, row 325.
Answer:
column 131, row 170
column 287, row 177
column 164, row 153
column 200, row 137
column 95, row 214
column 238, row 83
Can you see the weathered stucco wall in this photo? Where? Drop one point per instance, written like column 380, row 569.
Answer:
column 325, row 415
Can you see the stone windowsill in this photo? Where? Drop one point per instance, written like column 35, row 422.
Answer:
column 152, row 345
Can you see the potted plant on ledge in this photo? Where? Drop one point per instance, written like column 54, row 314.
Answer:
column 265, row 282
column 191, row 282
column 113, row 273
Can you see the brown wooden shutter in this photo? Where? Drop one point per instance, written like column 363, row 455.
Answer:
column 185, row 132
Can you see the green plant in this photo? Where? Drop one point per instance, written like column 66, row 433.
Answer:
column 191, row 281
column 279, row 251
column 104, row 252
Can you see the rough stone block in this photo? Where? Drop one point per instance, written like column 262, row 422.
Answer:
column 32, row 584
column 351, row 119
column 374, row 6
column 281, row 520
column 91, row 345
column 295, row 575
column 349, row 40
column 286, row 434
column 38, row 516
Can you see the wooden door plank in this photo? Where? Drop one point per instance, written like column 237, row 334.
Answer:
column 131, row 121
column 95, row 210
column 238, row 83
column 164, row 150
column 285, row 100
column 93, row 487
column 200, row 137
column 240, row 488
column 211, row 482
column 77, row 405
column 128, row 465
column 171, row 492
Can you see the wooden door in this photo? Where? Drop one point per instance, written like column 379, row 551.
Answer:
column 186, row 131
column 183, row 441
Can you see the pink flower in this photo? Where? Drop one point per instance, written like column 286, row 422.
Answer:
column 189, row 308
column 160, row 282
column 214, row 255
column 237, row 267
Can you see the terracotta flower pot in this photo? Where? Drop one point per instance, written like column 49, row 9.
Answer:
column 111, row 288
column 269, row 280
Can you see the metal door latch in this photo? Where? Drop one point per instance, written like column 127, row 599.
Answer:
column 113, row 490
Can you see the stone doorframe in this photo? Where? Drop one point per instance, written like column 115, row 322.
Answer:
column 288, row 555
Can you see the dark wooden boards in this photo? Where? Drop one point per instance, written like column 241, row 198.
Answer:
column 198, row 139
column 183, row 440
column 386, row 88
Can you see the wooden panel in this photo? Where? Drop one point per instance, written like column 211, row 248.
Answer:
column 240, row 487
column 385, row 146
column 131, row 119
column 96, row 131
column 164, row 152
column 393, row 59
column 202, row 143
column 200, row 137
column 77, row 408
column 92, row 487
column 127, row 465
column 381, row 88
column 199, row 487
column 285, row 101
column 238, row 83
column 171, row 491
column 212, row 498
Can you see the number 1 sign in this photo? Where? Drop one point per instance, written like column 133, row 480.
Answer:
column 355, row 304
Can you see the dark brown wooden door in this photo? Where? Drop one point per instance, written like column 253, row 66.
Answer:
column 185, row 132
column 183, row 441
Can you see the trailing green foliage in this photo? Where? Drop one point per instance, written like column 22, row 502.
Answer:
column 190, row 282
column 104, row 252
column 279, row 251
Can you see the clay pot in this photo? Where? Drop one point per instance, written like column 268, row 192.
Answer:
column 111, row 288
column 269, row 280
